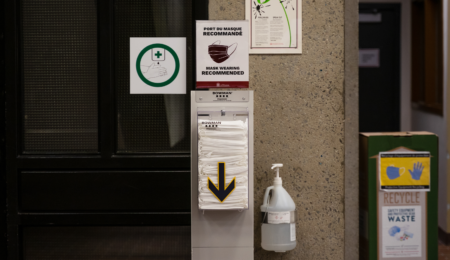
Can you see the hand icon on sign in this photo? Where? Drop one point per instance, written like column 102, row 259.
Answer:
column 417, row 171
column 153, row 71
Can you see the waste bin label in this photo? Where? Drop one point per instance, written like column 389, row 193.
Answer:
column 401, row 231
column 404, row 171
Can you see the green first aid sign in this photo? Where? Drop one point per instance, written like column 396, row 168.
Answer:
column 157, row 65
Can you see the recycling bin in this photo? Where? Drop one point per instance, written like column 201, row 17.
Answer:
column 398, row 196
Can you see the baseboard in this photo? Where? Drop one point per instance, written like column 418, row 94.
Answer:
column 444, row 237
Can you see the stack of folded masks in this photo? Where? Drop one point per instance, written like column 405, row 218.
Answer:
column 228, row 142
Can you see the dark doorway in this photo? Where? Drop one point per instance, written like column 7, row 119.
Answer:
column 379, row 72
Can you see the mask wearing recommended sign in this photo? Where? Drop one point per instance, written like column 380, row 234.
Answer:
column 404, row 171
column 157, row 65
column 222, row 54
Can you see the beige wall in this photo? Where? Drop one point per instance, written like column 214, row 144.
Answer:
column 300, row 121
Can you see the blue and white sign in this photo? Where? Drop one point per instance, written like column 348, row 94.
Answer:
column 401, row 231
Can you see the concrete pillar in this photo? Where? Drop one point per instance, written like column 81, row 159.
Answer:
column 300, row 103
column 351, row 131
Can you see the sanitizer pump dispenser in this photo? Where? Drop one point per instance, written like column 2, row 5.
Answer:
column 278, row 213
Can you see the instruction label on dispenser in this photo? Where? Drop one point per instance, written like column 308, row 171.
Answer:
column 279, row 217
column 222, row 96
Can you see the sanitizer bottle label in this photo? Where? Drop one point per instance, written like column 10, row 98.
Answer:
column 293, row 232
column 279, row 217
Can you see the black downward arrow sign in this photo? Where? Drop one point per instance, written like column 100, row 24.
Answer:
column 220, row 191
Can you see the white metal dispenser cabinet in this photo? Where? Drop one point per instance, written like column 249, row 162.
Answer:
column 222, row 175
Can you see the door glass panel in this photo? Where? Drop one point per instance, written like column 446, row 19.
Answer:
column 112, row 243
column 151, row 123
column 59, row 76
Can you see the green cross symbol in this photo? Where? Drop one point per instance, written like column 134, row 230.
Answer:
column 158, row 54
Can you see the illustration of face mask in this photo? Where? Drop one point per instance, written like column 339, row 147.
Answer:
column 393, row 231
column 394, row 172
column 220, row 53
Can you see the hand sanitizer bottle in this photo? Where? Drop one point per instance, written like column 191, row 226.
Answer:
column 278, row 213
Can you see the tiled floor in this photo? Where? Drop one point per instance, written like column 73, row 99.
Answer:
column 444, row 251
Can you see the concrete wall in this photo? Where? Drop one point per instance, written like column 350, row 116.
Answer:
column 299, row 121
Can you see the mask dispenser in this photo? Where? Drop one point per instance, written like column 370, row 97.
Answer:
column 222, row 175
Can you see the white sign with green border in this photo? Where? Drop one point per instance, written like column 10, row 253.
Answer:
column 157, row 65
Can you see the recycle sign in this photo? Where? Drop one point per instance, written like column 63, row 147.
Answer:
column 157, row 65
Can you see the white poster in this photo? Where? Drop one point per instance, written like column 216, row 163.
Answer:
column 369, row 58
column 222, row 54
column 275, row 26
column 401, row 231
column 157, row 65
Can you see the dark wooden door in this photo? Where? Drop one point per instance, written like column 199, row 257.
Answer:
column 93, row 172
